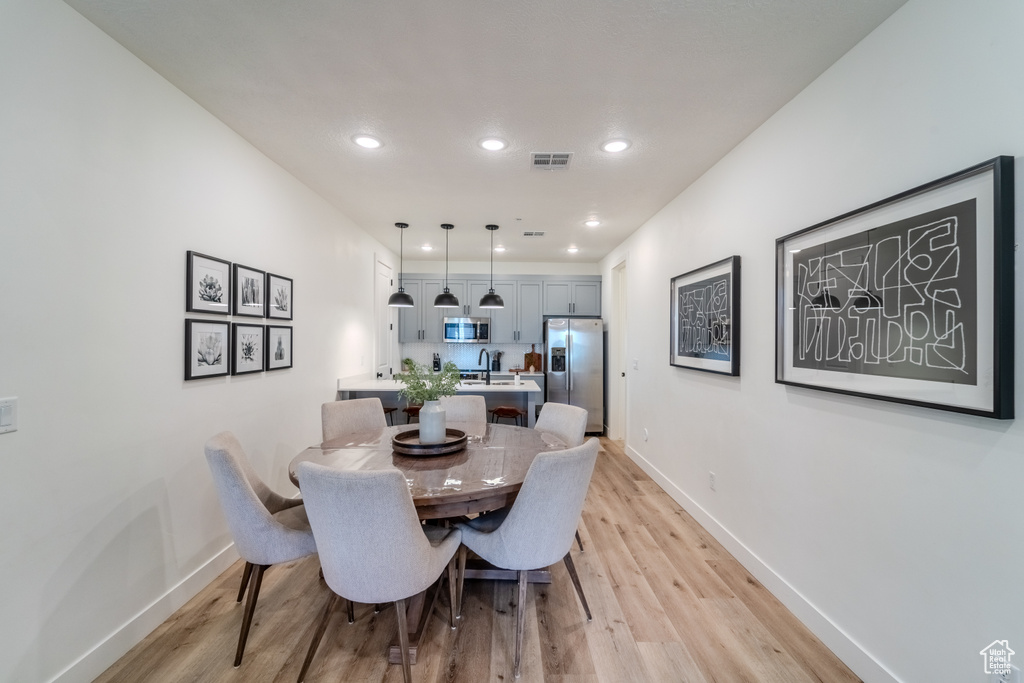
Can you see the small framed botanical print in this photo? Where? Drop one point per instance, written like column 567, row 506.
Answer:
column 250, row 293
column 207, row 284
column 279, row 347
column 279, row 297
column 247, row 348
column 206, row 347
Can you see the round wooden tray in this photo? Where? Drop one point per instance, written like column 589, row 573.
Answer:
column 408, row 443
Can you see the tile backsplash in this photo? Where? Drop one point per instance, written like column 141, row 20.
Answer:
column 465, row 355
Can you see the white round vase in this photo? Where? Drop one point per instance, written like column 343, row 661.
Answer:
column 432, row 426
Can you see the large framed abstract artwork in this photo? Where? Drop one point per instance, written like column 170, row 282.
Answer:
column 909, row 299
column 705, row 318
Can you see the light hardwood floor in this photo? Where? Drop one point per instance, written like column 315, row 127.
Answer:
column 669, row 604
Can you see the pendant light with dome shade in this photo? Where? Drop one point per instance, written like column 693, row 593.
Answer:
column 401, row 299
column 490, row 299
column 446, row 299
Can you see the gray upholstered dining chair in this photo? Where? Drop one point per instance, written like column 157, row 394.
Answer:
column 349, row 417
column 464, row 408
column 267, row 528
column 372, row 546
column 568, row 423
column 537, row 530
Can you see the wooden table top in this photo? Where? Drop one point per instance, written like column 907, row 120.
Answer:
column 486, row 475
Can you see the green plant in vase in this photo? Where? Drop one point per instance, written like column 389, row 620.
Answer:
column 423, row 384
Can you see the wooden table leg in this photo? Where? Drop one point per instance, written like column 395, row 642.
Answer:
column 479, row 569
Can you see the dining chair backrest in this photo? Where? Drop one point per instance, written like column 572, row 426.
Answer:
column 568, row 423
column 372, row 547
column 350, row 417
column 464, row 408
column 541, row 526
column 249, row 506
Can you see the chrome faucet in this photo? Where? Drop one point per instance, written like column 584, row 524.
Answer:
column 487, row 368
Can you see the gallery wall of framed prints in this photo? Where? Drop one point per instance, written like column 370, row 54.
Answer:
column 218, row 347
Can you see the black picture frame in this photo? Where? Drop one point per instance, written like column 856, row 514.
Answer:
column 249, row 288
column 280, row 297
column 247, row 348
column 704, row 318
column 207, row 284
column 279, row 347
column 207, row 344
column 909, row 299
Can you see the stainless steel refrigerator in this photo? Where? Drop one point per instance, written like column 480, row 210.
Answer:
column 575, row 365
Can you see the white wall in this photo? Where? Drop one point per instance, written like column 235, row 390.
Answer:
column 895, row 532
column 108, row 174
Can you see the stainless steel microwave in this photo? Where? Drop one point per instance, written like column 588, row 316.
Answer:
column 467, row 330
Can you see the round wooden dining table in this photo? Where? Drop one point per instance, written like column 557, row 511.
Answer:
column 486, row 475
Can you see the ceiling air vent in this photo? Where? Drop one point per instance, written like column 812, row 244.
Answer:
column 552, row 162
column 533, row 233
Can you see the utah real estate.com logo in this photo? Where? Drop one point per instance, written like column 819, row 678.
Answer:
column 997, row 657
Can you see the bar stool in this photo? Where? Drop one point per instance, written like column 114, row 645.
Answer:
column 387, row 414
column 510, row 412
column 411, row 412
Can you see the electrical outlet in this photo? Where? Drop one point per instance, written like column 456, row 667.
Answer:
column 645, row 434
column 711, row 480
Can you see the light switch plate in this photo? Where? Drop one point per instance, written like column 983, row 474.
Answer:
column 8, row 415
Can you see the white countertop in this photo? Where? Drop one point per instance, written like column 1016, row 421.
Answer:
column 527, row 385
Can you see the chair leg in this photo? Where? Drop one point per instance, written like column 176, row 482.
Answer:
column 331, row 601
column 246, row 573
column 250, row 607
column 579, row 541
column 463, row 552
column 403, row 640
column 451, row 592
column 576, row 582
column 351, row 612
column 520, row 620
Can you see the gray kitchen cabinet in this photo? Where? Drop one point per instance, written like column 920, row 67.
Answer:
column 422, row 322
column 503, row 320
column 529, row 312
column 572, row 297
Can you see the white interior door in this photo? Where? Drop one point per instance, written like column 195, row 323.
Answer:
column 384, row 316
column 617, row 356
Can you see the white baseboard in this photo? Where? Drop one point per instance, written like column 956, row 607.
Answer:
column 834, row 638
column 97, row 660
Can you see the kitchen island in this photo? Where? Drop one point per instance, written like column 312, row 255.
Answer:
column 525, row 395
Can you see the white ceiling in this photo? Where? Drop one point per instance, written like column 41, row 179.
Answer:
column 684, row 80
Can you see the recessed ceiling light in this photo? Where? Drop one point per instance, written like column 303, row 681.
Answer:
column 592, row 223
column 572, row 250
column 367, row 141
column 427, row 247
column 499, row 248
column 493, row 144
column 615, row 145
